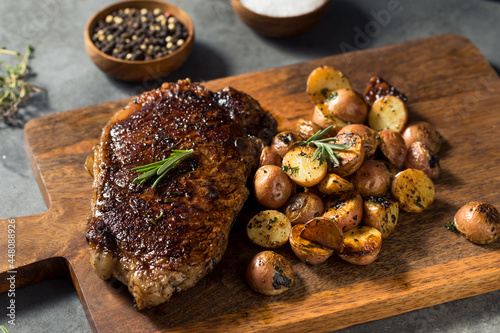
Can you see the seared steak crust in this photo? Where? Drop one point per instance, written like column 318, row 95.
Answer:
column 158, row 241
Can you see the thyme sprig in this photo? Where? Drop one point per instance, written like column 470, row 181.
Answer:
column 4, row 329
column 324, row 147
column 160, row 168
column 13, row 88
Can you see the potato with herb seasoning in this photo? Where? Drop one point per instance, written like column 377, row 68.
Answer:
column 350, row 159
column 269, row 229
column 324, row 80
column 424, row 132
column 307, row 128
column 393, row 147
column 372, row 179
column 283, row 142
column 269, row 273
column 301, row 168
column 347, row 106
column 413, row 189
column 479, row 222
column 269, row 156
column 272, row 187
column 309, row 252
column 381, row 213
column 324, row 118
column 420, row 157
column 361, row 245
column 371, row 138
column 388, row 112
column 303, row 207
column 347, row 210
column 334, row 185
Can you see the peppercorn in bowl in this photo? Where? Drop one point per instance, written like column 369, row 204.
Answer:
column 139, row 40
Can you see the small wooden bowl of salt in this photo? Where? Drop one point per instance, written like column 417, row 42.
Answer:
column 280, row 18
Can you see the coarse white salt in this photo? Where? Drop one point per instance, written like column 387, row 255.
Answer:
column 282, row 8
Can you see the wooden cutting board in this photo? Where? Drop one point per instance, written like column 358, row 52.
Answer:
column 448, row 82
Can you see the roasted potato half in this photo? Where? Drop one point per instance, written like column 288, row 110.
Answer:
column 350, row 159
column 269, row 156
column 347, row 210
column 388, row 112
column 324, row 118
column 413, row 189
column 420, row 157
column 323, row 81
column 307, row 251
column 303, row 207
column 381, row 213
column 301, row 168
column 372, row 179
column 371, row 138
column 479, row 222
column 393, row 147
column 269, row 229
column 269, row 273
column 347, row 106
column 325, row 232
column 361, row 245
column 283, row 142
column 424, row 132
column 307, row 128
column 272, row 187
column 334, row 185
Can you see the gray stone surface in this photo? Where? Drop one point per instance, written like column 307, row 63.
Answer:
column 224, row 46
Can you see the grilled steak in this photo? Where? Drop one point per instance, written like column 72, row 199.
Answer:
column 163, row 240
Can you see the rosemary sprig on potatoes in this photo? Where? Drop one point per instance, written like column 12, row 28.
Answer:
column 324, row 147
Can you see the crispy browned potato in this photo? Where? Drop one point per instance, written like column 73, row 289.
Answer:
column 269, row 273
column 269, row 156
column 388, row 112
column 269, row 229
column 347, row 210
column 420, row 157
column 334, row 185
column 303, row 207
column 479, row 222
column 361, row 245
column 323, row 118
column 272, row 186
column 307, row 128
column 372, row 179
column 381, row 213
column 424, row 132
column 301, row 168
column 413, row 189
column 324, row 80
column 393, row 147
column 351, row 158
column 378, row 87
column 371, row 138
column 346, row 105
column 283, row 142
column 325, row 232
column 307, row 251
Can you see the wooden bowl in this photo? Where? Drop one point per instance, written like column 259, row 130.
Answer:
column 139, row 70
column 277, row 26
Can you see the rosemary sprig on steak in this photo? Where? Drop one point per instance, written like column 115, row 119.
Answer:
column 160, row 168
column 324, row 147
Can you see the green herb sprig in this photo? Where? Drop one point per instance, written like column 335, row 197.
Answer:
column 324, row 147
column 450, row 225
column 160, row 168
column 4, row 329
column 13, row 88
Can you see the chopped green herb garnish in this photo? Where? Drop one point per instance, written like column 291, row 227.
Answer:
column 332, row 96
column 292, row 170
column 450, row 225
column 160, row 168
column 324, row 91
